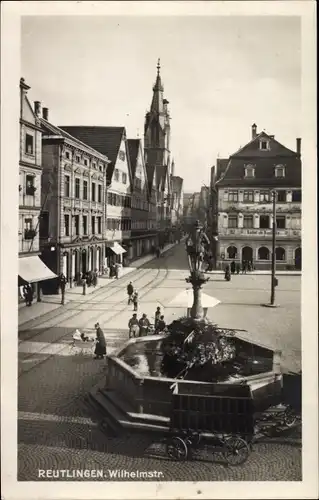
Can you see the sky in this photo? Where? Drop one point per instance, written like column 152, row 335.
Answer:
column 220, row 75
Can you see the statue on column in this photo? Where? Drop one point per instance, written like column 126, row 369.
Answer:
column 196, row 244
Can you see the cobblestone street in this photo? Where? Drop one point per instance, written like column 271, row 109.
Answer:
column 56, row 429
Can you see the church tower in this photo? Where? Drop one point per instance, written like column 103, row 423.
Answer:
column 157, row 127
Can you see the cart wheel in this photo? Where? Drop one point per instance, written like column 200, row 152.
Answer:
column 289, row 417
column 176, row 448
column 236, row 450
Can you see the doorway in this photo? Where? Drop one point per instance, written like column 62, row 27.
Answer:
column 84, row 259
column 247, row 254
column 298, row 258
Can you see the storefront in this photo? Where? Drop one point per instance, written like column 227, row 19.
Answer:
column 113, row 253
column 33, row 270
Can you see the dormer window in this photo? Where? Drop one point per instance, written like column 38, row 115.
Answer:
column 264, row 145
column 249, row 171
column 280, row 171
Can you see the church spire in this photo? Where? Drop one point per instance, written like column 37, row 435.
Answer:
column 158, row 89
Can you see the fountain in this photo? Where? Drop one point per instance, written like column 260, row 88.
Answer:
column 204, row 358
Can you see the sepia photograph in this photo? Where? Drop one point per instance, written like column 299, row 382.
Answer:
column 159, row 249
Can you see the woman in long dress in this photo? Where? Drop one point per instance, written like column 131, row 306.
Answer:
column 100, row 348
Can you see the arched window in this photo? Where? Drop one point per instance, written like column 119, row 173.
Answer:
column 280, row 253
column 231, row 252
column 263, row 253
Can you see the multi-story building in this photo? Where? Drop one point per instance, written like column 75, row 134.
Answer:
column 74, row 187
column 177, row 198
column 31, row 268
column 112, row 142
column 157, row 153
column 245, row 210
column 144, row 228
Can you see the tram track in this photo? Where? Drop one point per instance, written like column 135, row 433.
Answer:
column 151, row 285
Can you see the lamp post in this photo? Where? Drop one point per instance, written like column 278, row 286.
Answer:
column 274, row 281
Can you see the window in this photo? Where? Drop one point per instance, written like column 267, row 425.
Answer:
column 231, row 252
column 116, row 174
column 30, row 187
column 233, row 196
column 85, row 225
column 122, row 155
column 263, row 253
column 93, row 224
column 78, row 158
column 249, row 171
column 138, row 183
column 264, row 196
column 99, row 225
column 99, row 193
column 44, row 225
column 281, row 196
column 101, row 168
column 77, row 224
column 280, row 253
column 93, row 191
column 248, row 221
column 281, row 222
column 296, row 196
column 94, row 164
column 28, row 230
column 86, row 162
column 248, row 196
column 124, row 178
column 232, row 221
column 264, row 222
column 77, row 188
column 264, row 145
column 67, row 155
column 280, row 171
column 29, row 144
column 67, row 185
column 66, row 225
column 85, row 190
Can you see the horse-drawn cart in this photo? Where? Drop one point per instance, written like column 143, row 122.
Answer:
column 227, row 421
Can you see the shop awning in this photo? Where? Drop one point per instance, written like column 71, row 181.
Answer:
column 117, row 249
column 32, row 269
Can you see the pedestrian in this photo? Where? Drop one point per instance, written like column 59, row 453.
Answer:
column 233, row 267
column 158, row 253
column 130, row 291
column 117, row 271
column 135, row 300
column 26, row 293
column 249, row 266
column 157, row 316
column 144, row 325
column 100, row 347
column 62, row 283
column 133, row 326
column 161, row 325
column 244, row 267
column 94, row 278
column 237, row 268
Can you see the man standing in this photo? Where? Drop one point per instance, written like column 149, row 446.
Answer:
column 100, row 348
column 135, row 300
column 133, row 326
column 157, row 316
column 144, row 325
column 62, row 283
column 161, row 325
column 130, row 291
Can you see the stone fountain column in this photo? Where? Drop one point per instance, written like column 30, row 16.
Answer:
column 197, row 280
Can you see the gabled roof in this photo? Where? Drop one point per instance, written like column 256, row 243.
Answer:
column 252, row 148
column 106, row 140
column 264, row 163
column 57, row 131
column 133, row 149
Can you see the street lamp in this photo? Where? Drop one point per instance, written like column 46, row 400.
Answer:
column 274, row 281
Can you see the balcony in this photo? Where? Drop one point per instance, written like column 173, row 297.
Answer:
column 260, row 233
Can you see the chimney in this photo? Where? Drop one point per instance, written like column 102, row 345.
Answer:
column 37, row 108
column 298, row 142
column 254, row 131
column 45, row 114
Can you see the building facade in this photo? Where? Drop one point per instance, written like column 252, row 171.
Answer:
column 144, row 227
column 74, row 190
column 245, row 208
column 112, row 143
column 31, row 268
column 177, row 200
